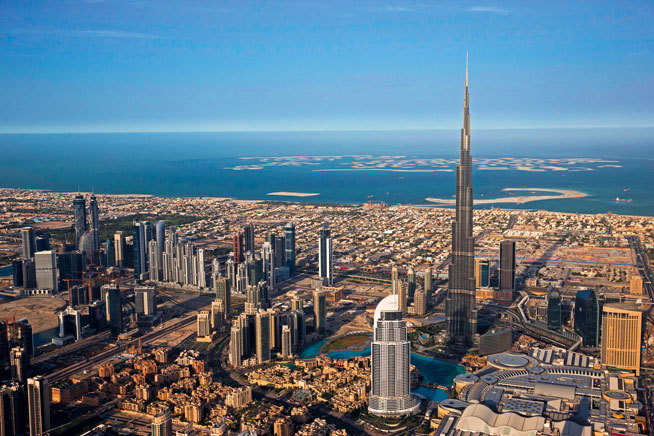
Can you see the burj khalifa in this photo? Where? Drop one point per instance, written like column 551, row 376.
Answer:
column 460, row 310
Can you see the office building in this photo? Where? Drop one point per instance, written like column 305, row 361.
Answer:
column 390, row 387
column 410, row 283
column 204, row 324
column 587, row 317
column 139, row 241
column 460, row 309
column 19, row 362
column 289, row 249
column 109, row 253
column 154, row 269
column 162, row 424
column 325, row 256
column 13, row 413
column 223, row 292
column 71, row 265
column 395, row 277
column 621, row 336
column 401, row 289
column 45, row 263
column 114, row 308
column 554, row 317
column 248, row 238
column 79, row 209
column 420, row 302
column 427, row 284
column 320, row 312
column 482, row 273
column 97, row 315
column 42, row 243
column 17, row 272
column 236, row 345
column 287, row 343
column 20, row 335
column 28, row 242
column 507, row 265
column 217, row 314
column 38, row 401
column 94, row 221
column 4, row 343
column 262, row 327
column 119, row 249
column 238, row 247
column 495, row 340
column 160, row 237
column 70, row 323
column 29, row 274
column 144, row 300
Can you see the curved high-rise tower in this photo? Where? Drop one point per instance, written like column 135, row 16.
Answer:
column 460, row 311
column 390, row 387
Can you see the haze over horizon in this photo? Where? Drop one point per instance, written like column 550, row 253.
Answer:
column 133, row 66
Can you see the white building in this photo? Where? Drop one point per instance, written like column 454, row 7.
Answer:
column 46, row 269
column 390, row 391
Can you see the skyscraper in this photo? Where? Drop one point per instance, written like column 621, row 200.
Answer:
column 507, row 265
column 394, row 279
column 70, row 323
column 621, row 333
column 109, row 253
column 248, row 236
column 19, row 363
column 12, row 409
column 390, row 387
column 204, row 324
column 94, row 218
column 320, row 311
column 402, row 297
column 289, row 250
column 428, row 283
column 325, row 261
column 144, row 300
column 38, row 399
column 28, row 242
column 587, row 317
column 238, row 247
column 554, row 319
column 160, row 236
column 263, row 336
column 119, row 249
column 223, row 292
column 79, row 208
column 140, row 256
column 114, row 308
column 46, row 270
column 287, row 349
column 42, row 243
column 410, row 283
column 482, row 273
column 460, row 309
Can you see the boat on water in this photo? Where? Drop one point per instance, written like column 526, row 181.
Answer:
column 622, row 200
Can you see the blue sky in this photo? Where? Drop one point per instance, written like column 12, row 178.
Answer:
column 158, row 65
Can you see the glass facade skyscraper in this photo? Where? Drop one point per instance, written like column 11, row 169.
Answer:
column 587, row 317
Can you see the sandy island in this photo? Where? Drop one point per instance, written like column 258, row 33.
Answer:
column 563, row 193
column 294, row 194
column 396, row 170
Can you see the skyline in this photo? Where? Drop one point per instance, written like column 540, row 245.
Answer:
column 100, row 66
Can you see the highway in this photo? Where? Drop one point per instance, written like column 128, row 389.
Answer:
column 119, row 348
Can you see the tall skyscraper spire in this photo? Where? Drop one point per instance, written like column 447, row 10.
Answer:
column 460, row 312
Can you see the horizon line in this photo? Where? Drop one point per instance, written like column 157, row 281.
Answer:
column 441, row 129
